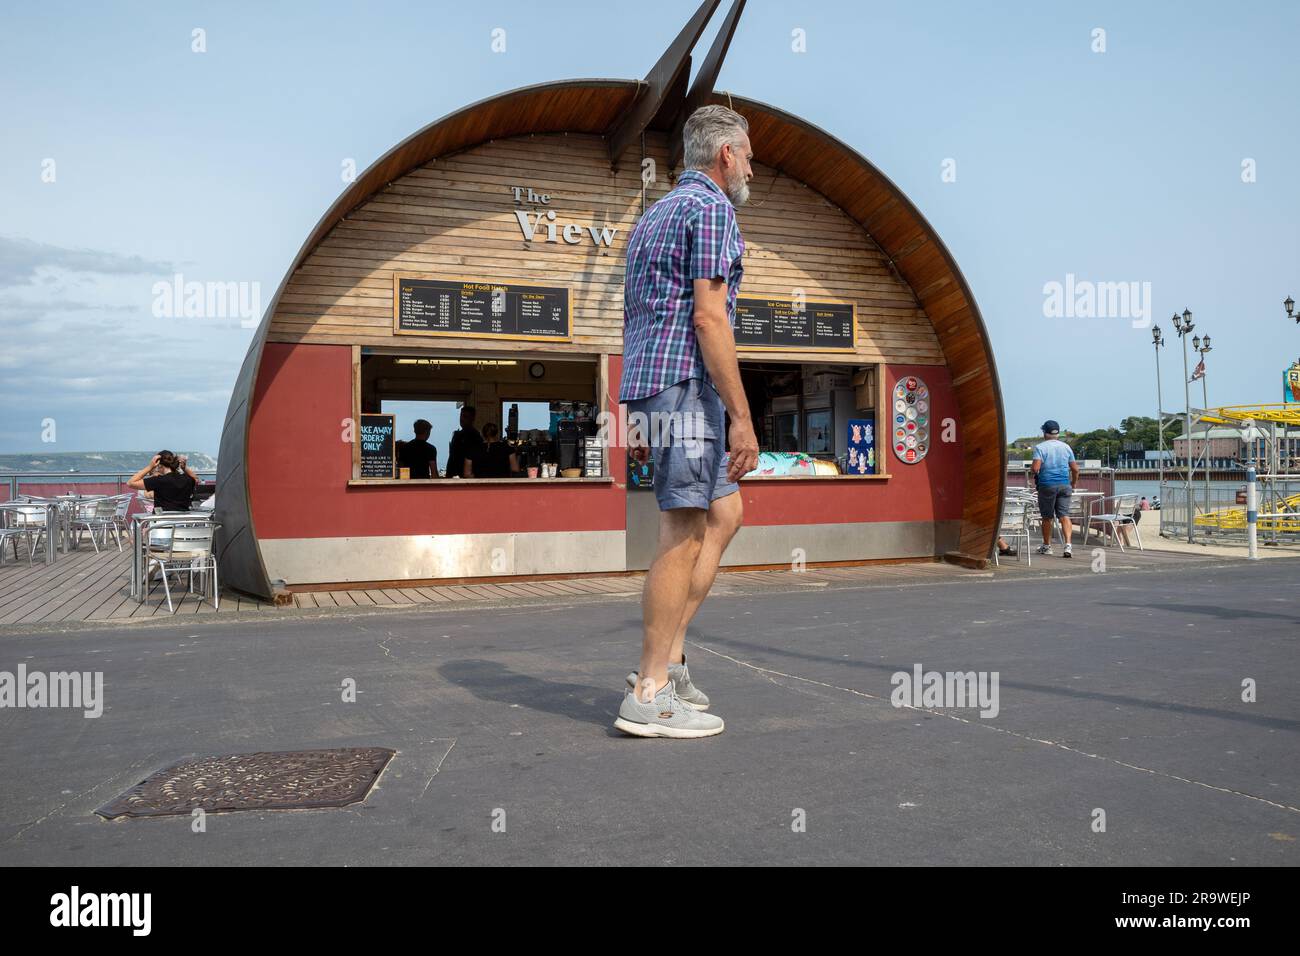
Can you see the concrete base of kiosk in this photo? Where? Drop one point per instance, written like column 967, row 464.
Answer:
column 424, row 557
column 310, row 561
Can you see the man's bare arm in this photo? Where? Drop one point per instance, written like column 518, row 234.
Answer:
column 718, row 345
column 718, row 349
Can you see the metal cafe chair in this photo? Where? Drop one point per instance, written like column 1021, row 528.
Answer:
column 1029, row 498
column 29, row 521
column 120, row 515
column 180, row 546
column 98, row 517
column 1119, row 515
column 1014, row 526
column 10, row 532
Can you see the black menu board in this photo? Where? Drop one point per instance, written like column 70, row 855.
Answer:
column 779, row 324
column 377, row 448
column 481, row 308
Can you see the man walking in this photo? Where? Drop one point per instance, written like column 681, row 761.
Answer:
column 679, row 374
column 1055, row 472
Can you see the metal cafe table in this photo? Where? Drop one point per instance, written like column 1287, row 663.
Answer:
column 140, row 525
column 64, row 511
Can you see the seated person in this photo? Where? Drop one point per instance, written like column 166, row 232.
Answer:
column 173, row 487
column 496, row 459
column 417, row 454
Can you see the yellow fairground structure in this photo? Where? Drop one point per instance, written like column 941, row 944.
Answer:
column 1244, row 415
column 1284, row 512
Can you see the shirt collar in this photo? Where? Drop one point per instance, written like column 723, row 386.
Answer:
column 699, row 176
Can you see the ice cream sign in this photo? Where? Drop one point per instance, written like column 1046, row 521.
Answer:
column 911, row 419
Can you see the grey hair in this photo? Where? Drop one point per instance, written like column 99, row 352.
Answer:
column 707, row 130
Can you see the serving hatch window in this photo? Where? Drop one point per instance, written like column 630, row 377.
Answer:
column 809, row 419
column 814, row 418
column 531, row 415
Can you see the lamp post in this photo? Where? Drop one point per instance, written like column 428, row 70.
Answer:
column 1289, row 304
column 1202, row 345
column 1157, row 342
column 1183, row 326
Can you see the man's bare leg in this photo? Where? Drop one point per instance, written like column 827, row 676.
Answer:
column 724, row 518
column 1047, row 532
column 667, row 584
column 1067, row 529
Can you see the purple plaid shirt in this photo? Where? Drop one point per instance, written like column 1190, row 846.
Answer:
column 689, row 234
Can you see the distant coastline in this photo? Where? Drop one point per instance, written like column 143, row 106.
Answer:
column 73, row 462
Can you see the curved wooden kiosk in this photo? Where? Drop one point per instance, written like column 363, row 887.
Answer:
column 481, row 261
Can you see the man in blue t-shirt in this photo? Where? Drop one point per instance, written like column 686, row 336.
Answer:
column 1055, row 472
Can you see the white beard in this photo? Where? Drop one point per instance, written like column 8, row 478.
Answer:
column 737, row 190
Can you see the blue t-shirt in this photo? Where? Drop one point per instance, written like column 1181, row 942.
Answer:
column 1056, row 456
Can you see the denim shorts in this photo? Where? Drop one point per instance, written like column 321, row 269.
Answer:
column 1054, row 501
column 684, row 427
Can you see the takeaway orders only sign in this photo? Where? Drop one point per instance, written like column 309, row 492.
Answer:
column 911, row 420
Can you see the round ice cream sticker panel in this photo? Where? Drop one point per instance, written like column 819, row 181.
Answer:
column 911, row 431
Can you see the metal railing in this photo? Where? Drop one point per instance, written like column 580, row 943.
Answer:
column 44, row 484
column 1219, row 514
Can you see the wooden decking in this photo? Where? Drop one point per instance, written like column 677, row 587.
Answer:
column 85, row 587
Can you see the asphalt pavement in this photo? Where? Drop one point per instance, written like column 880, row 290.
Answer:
column 1118, row 693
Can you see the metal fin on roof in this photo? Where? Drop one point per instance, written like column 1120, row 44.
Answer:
column 664, row 78
column 702, row 88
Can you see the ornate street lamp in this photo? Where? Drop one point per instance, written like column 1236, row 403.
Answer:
column 1183, row 326
column 1157, row 342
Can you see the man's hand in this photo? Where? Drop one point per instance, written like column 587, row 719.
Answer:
column 636, row 444
column 744, row 449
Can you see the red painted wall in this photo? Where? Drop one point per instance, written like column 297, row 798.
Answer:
column 299, row 466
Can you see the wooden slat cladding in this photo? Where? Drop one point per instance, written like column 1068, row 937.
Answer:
column 455, row 216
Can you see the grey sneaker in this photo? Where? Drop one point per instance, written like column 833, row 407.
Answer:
column 1044, row 549
column 665, row 716
column 687, row 692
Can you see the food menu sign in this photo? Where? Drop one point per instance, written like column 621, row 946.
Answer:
column 911, row 419
column 784, row 324
column 480, row 308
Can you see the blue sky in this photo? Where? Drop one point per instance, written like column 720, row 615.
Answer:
column 1119, row 166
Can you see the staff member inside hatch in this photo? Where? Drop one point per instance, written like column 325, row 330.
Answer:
column 497, row 459
column 466, row 442
column 418, row 455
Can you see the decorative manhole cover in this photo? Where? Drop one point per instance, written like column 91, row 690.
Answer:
column 263, row 781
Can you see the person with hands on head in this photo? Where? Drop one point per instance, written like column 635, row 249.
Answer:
column 173, row 488
column 681, row 382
